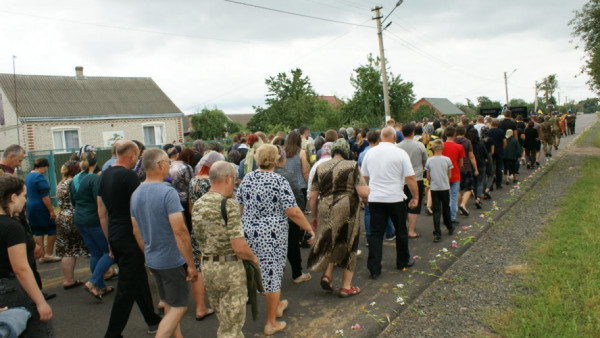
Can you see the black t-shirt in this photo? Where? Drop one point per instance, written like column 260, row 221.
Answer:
column 116, row 186
column 11, row 234
column 497, row 135
column 507, row 124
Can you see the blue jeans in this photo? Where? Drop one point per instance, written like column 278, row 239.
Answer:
column 389, row 229
column 454, row 187
column 100, row 261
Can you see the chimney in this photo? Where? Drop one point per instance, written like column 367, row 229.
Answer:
column 79, row 73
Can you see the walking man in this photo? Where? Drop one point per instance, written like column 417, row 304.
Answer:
column 456, row 153
column 117, row 184
column 160, row 231
column 223, row 248
column 418, row 157
column 386, row 168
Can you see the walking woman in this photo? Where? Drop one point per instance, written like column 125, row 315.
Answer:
column 296, row 161
column 16, row 278
column 340, row 186
column 481, row 157
column 84, row 196
column 39, row 209
column 267, row 200
column 69, row 244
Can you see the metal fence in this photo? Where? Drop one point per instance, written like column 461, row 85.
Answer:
column 56, row 158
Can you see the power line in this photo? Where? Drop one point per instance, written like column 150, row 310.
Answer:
column 119, row 27
column 298, row 14
column 250, row 82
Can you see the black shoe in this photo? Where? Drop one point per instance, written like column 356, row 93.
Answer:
column 507, row 183
column 499, row 186
column 437, row 238
column 528, row 166
column 455, row 223
column 410, row 263
column 375, row 275
column 463, row 210
column 451, row 230
column 478, row 204
column 48, row 296
column 537, row 163
column 487, row 196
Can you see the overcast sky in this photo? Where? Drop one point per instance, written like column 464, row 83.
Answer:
column 215, row 53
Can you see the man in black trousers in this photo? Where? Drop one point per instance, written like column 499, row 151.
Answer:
column 117, row 184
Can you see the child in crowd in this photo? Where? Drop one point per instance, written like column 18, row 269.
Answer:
column 439, row 172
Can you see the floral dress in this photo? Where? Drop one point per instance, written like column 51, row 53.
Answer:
column 198, row 187
column 265, row 197
column 68, row 240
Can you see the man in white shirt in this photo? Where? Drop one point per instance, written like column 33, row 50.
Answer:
column 386, row 168
column 480, row 123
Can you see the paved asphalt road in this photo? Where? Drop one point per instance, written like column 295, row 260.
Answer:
column 312, row 312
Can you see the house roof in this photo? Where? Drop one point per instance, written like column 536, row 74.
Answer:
column 332, row 100
column 444, row 106
column 67, row 96
column 242, row 119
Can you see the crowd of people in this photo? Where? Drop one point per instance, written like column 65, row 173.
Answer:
column 224, row 222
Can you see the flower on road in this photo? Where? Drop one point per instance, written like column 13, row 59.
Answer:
column 356, row 326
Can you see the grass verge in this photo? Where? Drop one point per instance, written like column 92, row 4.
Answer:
column 560, row 294
column 597, row 139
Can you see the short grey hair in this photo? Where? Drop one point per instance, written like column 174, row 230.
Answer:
column 219, row 170
column 151, row 158
column 13, row 149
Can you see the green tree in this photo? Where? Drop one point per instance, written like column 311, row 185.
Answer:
column 486, row 102
column 366, row 105
column 586, row 26
column 211, row 124
column 518, row 103
column 423, row 111
column 588, row 106
column 291, row 102
column 548, row 86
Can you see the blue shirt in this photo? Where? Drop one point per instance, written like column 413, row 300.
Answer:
column 109, row 163
column 362, row 155
column 399, row 136
column 151, row 205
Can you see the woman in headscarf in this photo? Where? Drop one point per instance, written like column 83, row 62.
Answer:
column 334, row 202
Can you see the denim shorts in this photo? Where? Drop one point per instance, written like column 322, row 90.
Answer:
column 13, row 295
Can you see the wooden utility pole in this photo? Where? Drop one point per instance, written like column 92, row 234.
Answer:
column 506, row 88
column 535, row 98
column 386, row 94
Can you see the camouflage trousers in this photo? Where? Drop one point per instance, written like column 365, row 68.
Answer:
column 547, row 145
column 556, row 137
column 225, row 284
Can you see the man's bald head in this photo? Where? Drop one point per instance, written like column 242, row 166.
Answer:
column 388, row 134
column 125, row 146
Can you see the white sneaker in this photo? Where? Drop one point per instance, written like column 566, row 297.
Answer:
column 305, row 277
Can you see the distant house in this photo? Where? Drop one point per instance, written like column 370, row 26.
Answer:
column 333, row 101
column 442, row 107
column 242, row 119
column 62, row 113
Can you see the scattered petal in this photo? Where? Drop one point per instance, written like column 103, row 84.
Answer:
column 400, row 300
column 372, row 303
column 444, row 250
column 438, row 255
column 416, row 257
column 400, row 285
column 453, row 245
column 362, row 308
column 454, row 241
column 356, row 326
column 464, row 227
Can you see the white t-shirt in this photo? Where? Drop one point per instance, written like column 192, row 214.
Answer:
column 312, row 173
column 386, row 166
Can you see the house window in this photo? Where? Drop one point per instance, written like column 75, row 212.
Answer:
column 154, row 134
column 65, row 140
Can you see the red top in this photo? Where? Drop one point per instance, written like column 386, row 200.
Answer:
column 455, row 152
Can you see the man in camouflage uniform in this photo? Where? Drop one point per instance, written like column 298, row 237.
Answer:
column 571, row 123
column 555, row 122
column 547, row 137
column 223, row 248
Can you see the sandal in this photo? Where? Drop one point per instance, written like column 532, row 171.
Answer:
column 93, row 290
column 326, row 283
column 74, row 285
column 113, row 275
column 429, row 211
column 414, row 237
column 353, row 291
column 106, row 290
